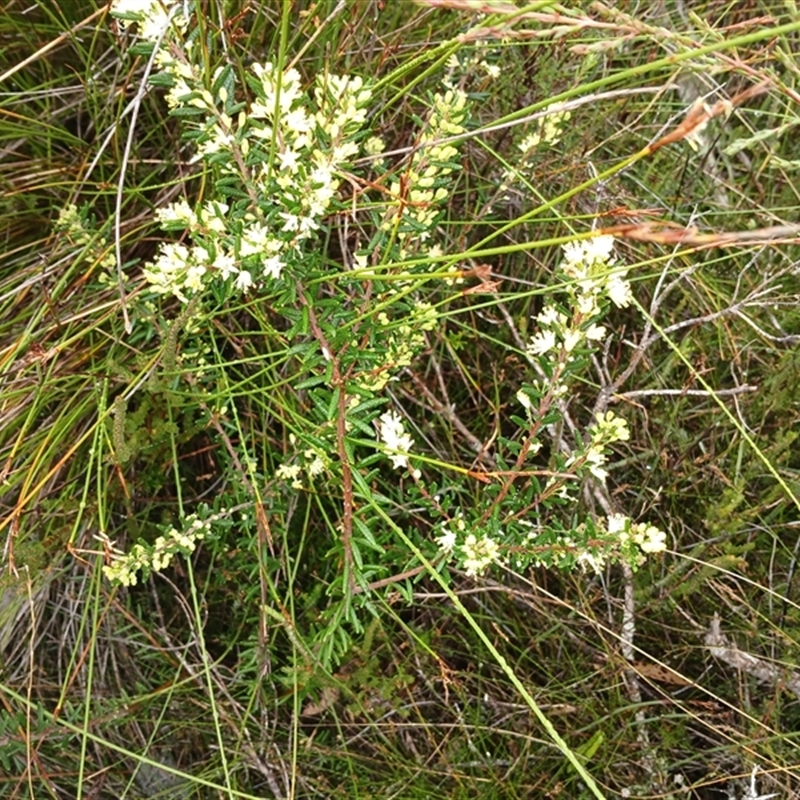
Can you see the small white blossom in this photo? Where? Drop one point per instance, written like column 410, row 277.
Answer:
column 595, row 561
column 572, row 338
column 587, row 303
column 446, row 540
column 619, row 291
column 213, row 216
column 374, row 146
column 151, row 16
column 549, row 316
column 244, row 280
column 609, row 428
column 291, row 222
column 315, row 467
column 595, row 333
column 589, row 251
column 618, row 524
column 254, row 239
column 649, row 538
column 226, row 264
column 273, row 266
column 394, row 436
column 289, row 160
column 176, row 212
column 599, row 249
column 541, row 343
column 492, row 70
column 595, row 459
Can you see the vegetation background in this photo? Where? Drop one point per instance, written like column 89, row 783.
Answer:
column 206, row 680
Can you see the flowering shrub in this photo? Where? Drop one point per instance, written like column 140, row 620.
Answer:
column 287, row 159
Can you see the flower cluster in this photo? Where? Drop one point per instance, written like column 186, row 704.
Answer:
column 399, row 344
column 421, row 191
column 613, row 539
column 280, row 156
column 475, row 553
column 590, row 545
column 311, row 463
column 479, row 553
column 477, row 65
column 547, row 132
column 565, row 331
column 646, row 537
column 587, row 265
column 153, row 18
column 398, row 443
column 593, row 544
column 558, row 332
column 124, row 567
column 607, row 429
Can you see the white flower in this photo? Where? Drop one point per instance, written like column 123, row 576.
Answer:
column 273, row 266
column 291, row 222
column 619, row 291
column 531, row 141
column 595, row 459
column 618, row 524
column 176, row 212
column 541, row 343
column 374, row 145
column 152, row 17
column 599, row 249
column 123, row 568
column 574, row 254
column 315, row 467
column 572, row 339
column 446, row 540
column 213, row 215
column 587, row 301
column 594, row 560
column 167, row 273
column 290, row 472
column 595, row 332
column 343, row 152
column 254, row 239
column 178, row 93
column 226, row 264
column 297, row 122
column 649, row 538
column 194, row 277
column 307, row 224
column 492, row 70
column 589, row 251
column 289, row 160
column 479, row 554
column 244, row 280
column 610, row 428
column 549, row 315
column 395, row 438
